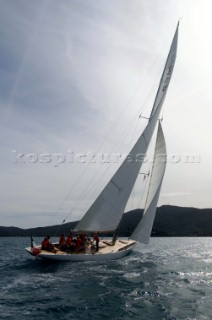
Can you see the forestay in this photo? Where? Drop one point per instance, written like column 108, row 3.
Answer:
column 106, row 211
column 143, row 230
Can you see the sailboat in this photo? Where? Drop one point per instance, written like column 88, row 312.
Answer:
column 106, row 212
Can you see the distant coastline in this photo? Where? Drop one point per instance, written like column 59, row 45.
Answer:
column 170, row 221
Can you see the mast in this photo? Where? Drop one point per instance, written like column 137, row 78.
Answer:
column 106, row 212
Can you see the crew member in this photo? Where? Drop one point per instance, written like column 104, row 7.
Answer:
column 79, row 244
column 62, row 242
column 68, row 242
column 47, row 245
column 96, row 238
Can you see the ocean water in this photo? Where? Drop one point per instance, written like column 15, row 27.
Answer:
column 171, row 278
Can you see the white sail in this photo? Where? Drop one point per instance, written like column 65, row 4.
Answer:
column 106, row 211
column 143, row 230
column 167, row 73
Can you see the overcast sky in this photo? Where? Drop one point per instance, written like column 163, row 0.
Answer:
column 75, row 76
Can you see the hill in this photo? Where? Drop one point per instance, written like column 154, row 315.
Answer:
column 170, row 221
column 180, row 221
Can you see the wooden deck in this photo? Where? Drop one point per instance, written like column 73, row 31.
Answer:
column 105, row 247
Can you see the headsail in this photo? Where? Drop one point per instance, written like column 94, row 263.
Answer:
column 143, row 230
column 106, row 211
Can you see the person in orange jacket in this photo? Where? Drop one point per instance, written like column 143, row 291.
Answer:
column 47, row 245
column 62, row 242
column 68, row 242
column 79, row 244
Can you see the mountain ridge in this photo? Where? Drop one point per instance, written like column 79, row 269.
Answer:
column 169, row 221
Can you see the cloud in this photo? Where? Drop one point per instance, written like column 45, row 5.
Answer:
column 69, row 73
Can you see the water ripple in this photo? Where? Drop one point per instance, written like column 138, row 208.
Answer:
column 169, row 279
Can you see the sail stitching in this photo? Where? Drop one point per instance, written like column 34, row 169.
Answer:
column 115, row 184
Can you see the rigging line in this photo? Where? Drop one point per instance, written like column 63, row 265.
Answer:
column 136, row 90
column 100, row 146
column 144, row 189
column 151, row 171
column 140, row 116
column 133, row 134
column 86, row 191
column 134, row 188
column 94, row 191
column 97, row 184
column 151, row 146
column 157, row 79
column 144, row 104
column 126, row 179
column 113, row 205
column 83, row 172
column 107, row 135
column 57, row 229
column 132, row 197
column 131, row 169
column 34, row 34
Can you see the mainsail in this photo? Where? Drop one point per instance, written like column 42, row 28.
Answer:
column 143, row 230
column 106, row 211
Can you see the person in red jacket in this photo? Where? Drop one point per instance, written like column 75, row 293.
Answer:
column 68, row 242
column 79, row 244
column 47, row 245
column 62, row 242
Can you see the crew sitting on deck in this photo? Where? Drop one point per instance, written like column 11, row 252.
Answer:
column 68, row 242
column 47, row 245
column 44, row 244
column 62, row 242
column 79, row 244
column 96, row 238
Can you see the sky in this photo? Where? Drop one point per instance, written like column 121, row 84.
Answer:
column 75, row 76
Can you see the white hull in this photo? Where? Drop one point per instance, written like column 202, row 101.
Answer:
column 106, row 253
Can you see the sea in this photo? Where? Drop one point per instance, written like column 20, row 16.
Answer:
column 171, row 278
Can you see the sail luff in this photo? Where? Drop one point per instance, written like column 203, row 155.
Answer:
column 167, row 73
column 105, row 213
column 143, row 230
